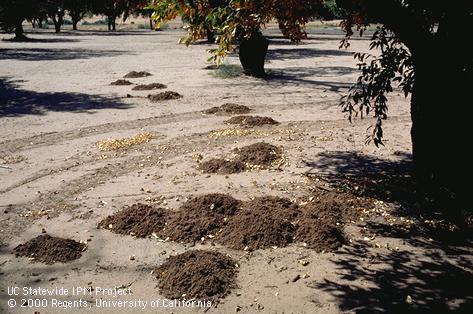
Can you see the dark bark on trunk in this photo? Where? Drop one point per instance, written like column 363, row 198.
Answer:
column 440, row 127
column 58, row 20
column 19, row 33
column 112, row 21
column 150, row 23
column 210, row 35
column 40, row 23
column 252, row 54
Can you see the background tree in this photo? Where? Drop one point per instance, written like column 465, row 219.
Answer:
column 14, row 12
column 422, row 45
column 240, row 21
column 77, row 10
column 55, row 11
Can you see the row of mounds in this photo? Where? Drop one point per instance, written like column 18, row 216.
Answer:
column 259, row 223
column 167, row 95
column 259, row 155
column 49, row 250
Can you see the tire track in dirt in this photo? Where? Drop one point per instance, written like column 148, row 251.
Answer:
column 43, row 139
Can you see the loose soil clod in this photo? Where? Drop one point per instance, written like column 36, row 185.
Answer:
column 49, row 250
column 121, row 82
column 135, row 74
column 252, row 121
column 200, row 217
column 222, row 166
column 168, row 95
column 264, row 222
column 259, row 154
column 139, row 220
column 228, row 109
column 149, row 86
column 114, row 144
column 197, row 274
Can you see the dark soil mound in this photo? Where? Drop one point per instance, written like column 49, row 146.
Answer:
column 264, row 222
column 260, row 154
column 319, row 234
column 121, row 82
column 222, row 166
column 254, row 230
column 282, row 207
column 200, row 217
column 203, row 275
column 228, row 109
column 135, row 74
column 139, row 220
column 321, row 223
column 251, row 120
column 213, row 203
column 164, row 96
column 49, row 250
column 336, row 207
column 149, row 86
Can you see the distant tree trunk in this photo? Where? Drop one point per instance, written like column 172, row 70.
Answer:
column 151, row 23
column 58, row 20
column 252, row 54
column 112, row 21
column 210, row 34
column 33, row 23
column 19, row 33
column 40, row 23
column 75, row 20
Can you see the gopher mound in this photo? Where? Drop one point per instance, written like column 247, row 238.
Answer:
column 228, row 109
column 149, row 86
column 251, row 230
column 259, row 154
column 319, row 235
column 222, row 166
column 121, row 83
column 197, row 274
column 200, row 217
column 49, row 250
column 321, row 223
column 139, row 220
column 264, row 222
column 168, row 95
column 251, row 121
column 135, row 74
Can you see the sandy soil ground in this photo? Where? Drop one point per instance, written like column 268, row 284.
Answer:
column 56, row 103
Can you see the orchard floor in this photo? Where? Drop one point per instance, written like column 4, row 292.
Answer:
column 56, row 103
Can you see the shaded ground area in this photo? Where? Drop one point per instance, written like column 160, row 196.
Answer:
column 401, row 282
column 50, row 250
column 45, row 54
column 15, row 101
column 203, row 275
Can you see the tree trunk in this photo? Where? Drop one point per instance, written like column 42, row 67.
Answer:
column 40, row 23
column 19, row 33
column 151, row 23
column 58, row 22
column 439, row 132
column 252, row 54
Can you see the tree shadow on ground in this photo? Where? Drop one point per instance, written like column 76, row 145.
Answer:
column 41, row 40
column 301, row 53
column 308, row 76
column 18, row 102
column 435, row 272
column 383, row 281
column 364, row 175
column 51, row 54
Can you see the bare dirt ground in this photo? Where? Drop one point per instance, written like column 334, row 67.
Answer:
column 56, row 103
